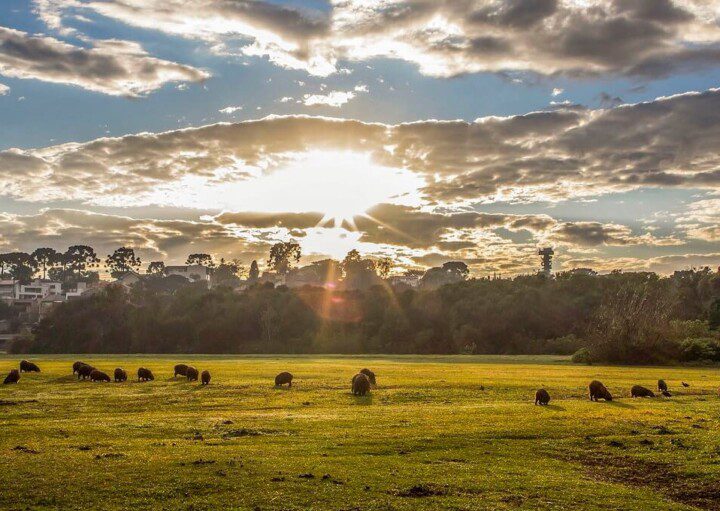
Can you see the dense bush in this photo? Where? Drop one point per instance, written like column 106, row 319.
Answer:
column 624, row 318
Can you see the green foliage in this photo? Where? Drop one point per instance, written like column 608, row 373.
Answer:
column 122, row 261
column 283, row 255
column 582, row 356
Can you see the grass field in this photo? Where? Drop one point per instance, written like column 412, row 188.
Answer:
column 427, row 438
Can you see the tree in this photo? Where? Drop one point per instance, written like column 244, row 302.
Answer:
column 78, row 259
column 254, row 272
column 21, row 266
column 200, row 259
column 714, row 318
column 282, row 255
column 383, row 267
column 359, row 272
column 45, row 258
column 156, row 268
column 448, row 273
column 122, row 261
column 226, row 273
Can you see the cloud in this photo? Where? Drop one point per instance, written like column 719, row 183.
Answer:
column 172, row 240
column 558, row 154
column 4, row 89
column 590, row 234
column 557, row 91
column 646, row 38
column 334, row 99
column 114, row 67
column 229, row 110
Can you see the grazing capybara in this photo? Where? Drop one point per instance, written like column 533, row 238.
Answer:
column 360, row 384
column 640, row 391
column 84, row 371
column 371, row 376
column 205, row 377
column 180, row 369
column 192, row 373
column 542, row 397
column 283, row 378
column 98, row 376
column 666, row 393
column 662, row 385
column 120, row 374
column 12, row 377
column 28, row 367
column 77, row 365
column 145, row 374
column 598, row 391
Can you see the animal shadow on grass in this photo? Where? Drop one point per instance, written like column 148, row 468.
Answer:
column 365, row 400
column 618, row 404
column 554, row 408
column 71, row 378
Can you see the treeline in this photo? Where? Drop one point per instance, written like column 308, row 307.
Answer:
column 620, row 317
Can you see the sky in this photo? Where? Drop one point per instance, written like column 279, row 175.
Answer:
column 422, row 130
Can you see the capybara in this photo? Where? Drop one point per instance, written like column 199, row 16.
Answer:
column 98, row 376
column 283, row 378
column 371, row 376
column 180, row 369
column 640, row 391
column 542, row 397
column 120, row 374
column 84, row 371
column 662, row 385
column 205, row 377
column 145, row 374
column 77, row 365
column 12, row 377
column 191, row 373
column 666, row 393
column 28, row 367
column 360, row 384
column 598, row 391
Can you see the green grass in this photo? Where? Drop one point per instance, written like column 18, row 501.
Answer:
column 426, row 438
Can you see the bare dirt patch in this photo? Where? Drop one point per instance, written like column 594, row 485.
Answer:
column 662, row 477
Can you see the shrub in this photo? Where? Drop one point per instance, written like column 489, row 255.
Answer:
column 582, row 356
column 699, row 350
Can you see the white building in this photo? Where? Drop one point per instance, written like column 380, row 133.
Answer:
column 14, row 290
column 194, row 272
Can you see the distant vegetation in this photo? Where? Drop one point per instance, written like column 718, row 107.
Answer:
column 634, row 318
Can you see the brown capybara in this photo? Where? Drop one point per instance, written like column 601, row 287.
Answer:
column 662, row 385
column 28, row 367
column 360, row 384
column 145, row 374
column 666, row 393
column 192, row 373
column 371, row 376
column 180, row 369
column 598, row 391
column 284, row 378
column 98, row 376
column 205, row 377
column 120, row 374
column 77, row 365
column 542, row 397
column 12, row 377
column 84, row 371
column 640, row 391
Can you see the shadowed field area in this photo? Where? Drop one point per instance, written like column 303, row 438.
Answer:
column 438, row 433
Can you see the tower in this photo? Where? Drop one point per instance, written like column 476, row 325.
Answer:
column 547, row 255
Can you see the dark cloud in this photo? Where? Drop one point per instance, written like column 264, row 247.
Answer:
column 118, row 68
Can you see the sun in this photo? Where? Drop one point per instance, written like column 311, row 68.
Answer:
column 340, row 185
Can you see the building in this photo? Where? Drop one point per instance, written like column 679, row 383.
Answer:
column 194, row 272
column 128, row 279
column 12, row 290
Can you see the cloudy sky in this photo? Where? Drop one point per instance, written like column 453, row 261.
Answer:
column 424, row 130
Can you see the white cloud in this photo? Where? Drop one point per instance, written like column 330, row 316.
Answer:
column 557, row 91
column 229, row 110
column 4, row 89
column 334, row 99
